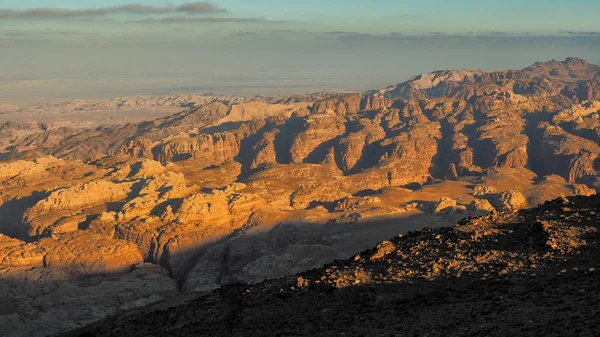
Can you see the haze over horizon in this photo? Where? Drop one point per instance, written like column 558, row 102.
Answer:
column 60, row 50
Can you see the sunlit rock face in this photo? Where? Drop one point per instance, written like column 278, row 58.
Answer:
column 242, row 189
column 538, row 260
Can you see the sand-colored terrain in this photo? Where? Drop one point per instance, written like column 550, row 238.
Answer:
column 229, row 190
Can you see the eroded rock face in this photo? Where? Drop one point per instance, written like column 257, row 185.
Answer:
column 579, row 189
column 265, row 152
column 316, row 132
column 48, row 215
column 24, row 168
column 481, row 207
column 568, row 155
column 510, row 201
column 214, row 216
column 577, row 112
column 354, row 150
column 76, row 253
column 166, row 219
column 351, row 103
column 445, row 204
column 352, row 203
column 341, row 104
column 484, row 189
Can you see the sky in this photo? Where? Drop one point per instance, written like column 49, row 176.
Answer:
column 67, row 49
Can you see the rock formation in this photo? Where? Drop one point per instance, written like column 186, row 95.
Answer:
column 513, row 273
column 235, row 190
column 510, row 201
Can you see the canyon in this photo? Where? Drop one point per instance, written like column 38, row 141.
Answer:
column 99, row 216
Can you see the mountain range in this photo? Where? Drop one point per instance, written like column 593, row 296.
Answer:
column 99, row 218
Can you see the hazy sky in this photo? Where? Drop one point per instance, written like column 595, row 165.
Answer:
column 61, row 49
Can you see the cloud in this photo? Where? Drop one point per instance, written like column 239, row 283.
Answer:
column 340, row 32
column 27, row 33
column 365, row 37
column 575, row 33
column 358, row 37
column 186, row 19
column 200, row 8
column 190, row 8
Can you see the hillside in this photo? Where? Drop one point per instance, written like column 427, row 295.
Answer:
column 528, row 273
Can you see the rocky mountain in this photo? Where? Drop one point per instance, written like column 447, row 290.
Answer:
column 242, row 190
column 461, row 122
column 573, row 78
column 530, row 272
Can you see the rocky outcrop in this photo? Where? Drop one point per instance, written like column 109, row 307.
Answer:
column 585, row 90
column 375, row 103
column 265, row 152
column 483, row 190
column 568, row 155
column 352, row 152
column 211, row 149
column 532, row 261
column 510, row 201
column 166, row 220
column 350, row 103
column 146, row 169
column 414, row 149
column 23, row 168
column 50, row 214
column 481, row 207
column 352, row 203
column 444, row 205
column 579, row 189
column 316, row 132
column 342, row 104
column 577, row 111
column 78, row 253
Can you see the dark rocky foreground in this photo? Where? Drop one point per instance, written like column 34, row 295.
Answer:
column 531, row 273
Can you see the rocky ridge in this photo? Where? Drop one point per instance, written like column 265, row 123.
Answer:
column 533, row 271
